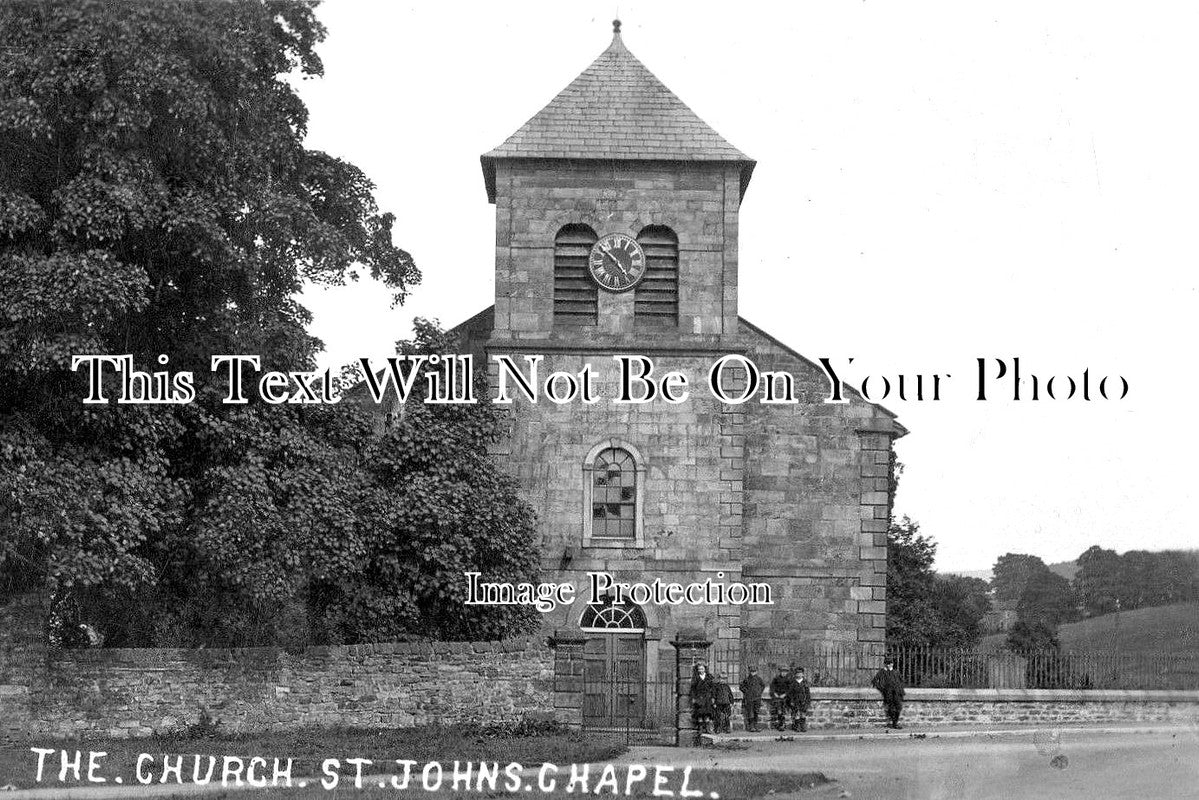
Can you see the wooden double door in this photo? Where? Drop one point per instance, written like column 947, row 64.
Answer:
column 614, row 680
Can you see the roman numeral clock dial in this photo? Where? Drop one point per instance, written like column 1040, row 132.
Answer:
column 617, row 262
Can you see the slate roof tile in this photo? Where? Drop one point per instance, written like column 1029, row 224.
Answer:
column 616, row 109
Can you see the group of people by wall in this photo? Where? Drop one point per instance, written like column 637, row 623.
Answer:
column 789, row 696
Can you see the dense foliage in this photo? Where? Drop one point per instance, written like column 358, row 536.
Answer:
column 156, row 199
column 924, row 608
column 1012, row 573
column 1107, row 581
column 1047, row 599
column 1027, row 636
column 430, row 484
column 1041, row 598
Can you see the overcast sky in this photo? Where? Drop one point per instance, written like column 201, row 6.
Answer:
column 936, row 182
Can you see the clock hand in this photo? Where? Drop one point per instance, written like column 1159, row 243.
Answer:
column 619, row 266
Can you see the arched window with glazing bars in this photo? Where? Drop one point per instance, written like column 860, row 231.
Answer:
column 613, row 495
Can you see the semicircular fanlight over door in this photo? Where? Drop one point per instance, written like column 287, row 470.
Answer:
column 609, row 616
column 613, row 665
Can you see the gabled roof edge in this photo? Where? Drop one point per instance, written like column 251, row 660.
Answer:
column 900, row 429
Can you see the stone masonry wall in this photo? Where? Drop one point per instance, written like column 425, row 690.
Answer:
column 138, row 692
column 794, row 496
column 22, row 657
column 861, row 708
column 816, row 506
column 690, row 516
column 698, row 201
column 791, row 495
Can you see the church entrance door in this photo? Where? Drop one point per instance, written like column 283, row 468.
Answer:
column 614, row 681
column 613, row 666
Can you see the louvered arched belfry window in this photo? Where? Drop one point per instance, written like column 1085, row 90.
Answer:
column 576, row 297
column 656, row 299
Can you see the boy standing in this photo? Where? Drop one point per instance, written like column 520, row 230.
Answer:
column 702, row 691
column 778, row 698
column 723, row 697
column 799, row 700
column 752, row 687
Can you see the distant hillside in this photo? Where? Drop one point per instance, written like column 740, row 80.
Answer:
column 1163, row 629
column 1067, row 569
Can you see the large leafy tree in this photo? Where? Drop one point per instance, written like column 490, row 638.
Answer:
column 429, row 481
column 1048, row 599
column 1099, row 581
column 1042, row 598
column 1012, row 572
column 924, row 608
column 156, row 198
column 961, row 603
column 911, row 617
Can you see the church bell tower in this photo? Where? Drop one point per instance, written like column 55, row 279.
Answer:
column 616, row 234
column 616, row 217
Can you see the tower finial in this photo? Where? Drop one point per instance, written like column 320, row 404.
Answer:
column 616, row 26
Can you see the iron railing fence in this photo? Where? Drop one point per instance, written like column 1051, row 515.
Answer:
column 958, row 668
column 825, row 664
column 640, row 709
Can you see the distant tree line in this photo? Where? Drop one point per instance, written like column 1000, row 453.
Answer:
column 1107, row 581
column 927, row 609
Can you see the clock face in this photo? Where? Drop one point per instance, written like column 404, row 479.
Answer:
column 617, row 262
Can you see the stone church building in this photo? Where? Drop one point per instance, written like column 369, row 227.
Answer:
column 616, row 233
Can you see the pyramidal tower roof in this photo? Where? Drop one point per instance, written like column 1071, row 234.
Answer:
column 616, row 110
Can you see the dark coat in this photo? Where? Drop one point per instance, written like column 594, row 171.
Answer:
column 779, row 685
column 752, row 687
column 889, row 684
column 722, row 695
column 703, row 694
column 799, row 695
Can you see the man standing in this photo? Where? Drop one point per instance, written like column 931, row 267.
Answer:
column 890, row 686
column 752, row 687
column 799, row 700
column 778, row 697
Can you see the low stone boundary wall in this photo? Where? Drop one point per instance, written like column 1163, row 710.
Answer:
column 127, row 693
column 862, row 707
column 22, row 659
